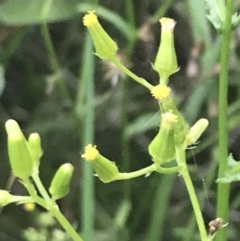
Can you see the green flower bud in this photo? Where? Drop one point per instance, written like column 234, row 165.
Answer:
column 166, row 60
column 181, row 128
column 34, row 145
column 5, row 198
column 196, row 131
column 106, row 170
column 60, row 184
column 162, row 148
column 19, row 155
column 105, row 47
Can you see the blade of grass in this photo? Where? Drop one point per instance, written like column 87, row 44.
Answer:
column 86, row 132
column 224, row 189
column 160, row 208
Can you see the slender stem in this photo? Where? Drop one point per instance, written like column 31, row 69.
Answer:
column 86, row 132
column 224, row 189
column 65, row 224
column 41, row 188
column 51, row 206
column 181, row 159
column 31, row 190
column 54, row 65
column 129, row 175
column 131, row 74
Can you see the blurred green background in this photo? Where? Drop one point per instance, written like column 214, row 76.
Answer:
column 52, row 83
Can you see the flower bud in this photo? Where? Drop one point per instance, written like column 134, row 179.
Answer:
column 106, row 170
column 34, row 145
column 20, row 158
column 166, row 60
column 196, row 131
column 162, row 148
column 5, row 198
column 60, row 184
column 105, row 47
column 181, row 128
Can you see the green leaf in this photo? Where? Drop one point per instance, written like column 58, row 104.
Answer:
column 232, row 173
column 142, row 124
column 214, row 14
column 2, row 79
column 24, row 12
column 235, row 20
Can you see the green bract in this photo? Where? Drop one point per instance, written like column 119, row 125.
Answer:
column 162, row 148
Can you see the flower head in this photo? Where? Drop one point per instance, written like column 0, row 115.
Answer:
column 160, row 91
column 105, row 46
column 90, row 19
column 91, row 153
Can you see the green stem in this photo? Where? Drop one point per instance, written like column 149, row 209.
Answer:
column 32, row 191
column 41, row 188
column 86, row 132
column 224, row 189
column 51, row 206
column 54, row 65
column 181, row 159
column 131, row 74
column 65, row 224
column 130, row 175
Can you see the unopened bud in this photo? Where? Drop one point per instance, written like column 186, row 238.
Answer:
column 34, row 145
column 196, row 131
column 60, row 184
column 166, row 60
column 20, row 158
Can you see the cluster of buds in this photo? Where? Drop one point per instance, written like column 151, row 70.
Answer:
column 24, row 156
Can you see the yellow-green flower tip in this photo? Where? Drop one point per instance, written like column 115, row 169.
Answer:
column 60, row 184
column 160, row 92
column 12, row 127
column 91, row 153
column 166, row 59
column 196, row 131
column 169, row 117
column 105, row 46
column 90, row 18
column 168, row 24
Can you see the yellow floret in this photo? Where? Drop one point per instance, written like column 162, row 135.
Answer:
column 91, row 153
column 160, row 91
column 170, row 117
column 90, row 18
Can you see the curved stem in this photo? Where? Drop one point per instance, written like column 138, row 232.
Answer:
column 181, row 159
column 130, row 175
column 131, row 74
